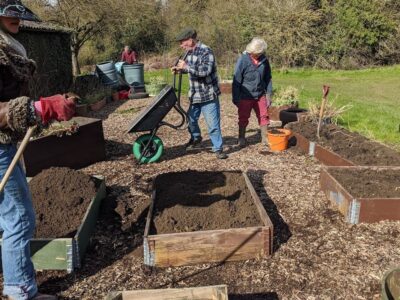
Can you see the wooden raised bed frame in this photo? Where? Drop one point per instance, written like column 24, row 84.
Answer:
column 75, row 151
column 67, row 253
column 188, row 248
column 359, row 210
column 324, row 155
column 217, row 292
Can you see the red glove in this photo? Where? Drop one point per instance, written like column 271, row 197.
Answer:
column 56, row 107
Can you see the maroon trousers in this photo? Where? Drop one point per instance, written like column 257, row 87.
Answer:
column 260, row 107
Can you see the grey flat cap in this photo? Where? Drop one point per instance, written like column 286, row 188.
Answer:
column 185, row 34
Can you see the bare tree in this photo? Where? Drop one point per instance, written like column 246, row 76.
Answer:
column 85, row 17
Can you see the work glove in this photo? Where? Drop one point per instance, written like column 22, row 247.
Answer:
column 56, row 107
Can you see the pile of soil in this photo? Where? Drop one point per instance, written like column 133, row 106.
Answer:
column 349, row 145
column 193, row 201
column 60, row 197
column 369, row 183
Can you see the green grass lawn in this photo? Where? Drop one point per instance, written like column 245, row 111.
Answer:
column 373, row 93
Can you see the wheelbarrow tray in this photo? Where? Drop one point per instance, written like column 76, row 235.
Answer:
column 152, row 115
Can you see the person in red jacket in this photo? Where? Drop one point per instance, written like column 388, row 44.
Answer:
column 128, row 55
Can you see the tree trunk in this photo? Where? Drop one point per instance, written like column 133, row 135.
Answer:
column 75, row 64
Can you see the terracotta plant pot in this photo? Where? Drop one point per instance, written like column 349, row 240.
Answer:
column 81, row 110
column 115, row 96
column 98, row 105
column 278, row 139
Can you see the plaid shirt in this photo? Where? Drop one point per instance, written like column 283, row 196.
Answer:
column 203, row 78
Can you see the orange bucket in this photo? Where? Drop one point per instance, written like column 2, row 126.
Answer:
column 278, row 139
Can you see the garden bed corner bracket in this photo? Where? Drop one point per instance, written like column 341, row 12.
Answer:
column 70, row 257
column 354, row 211
column 148, row 252
column 311, row 150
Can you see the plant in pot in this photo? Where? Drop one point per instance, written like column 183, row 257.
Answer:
column 284, row 98
column 155, row 86
column 96, row 100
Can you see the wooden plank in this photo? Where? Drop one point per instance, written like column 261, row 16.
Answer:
column 330, row 158
column 301, row 142
column 78, row 150
column 260, row 208
column 379, row 209
column 47, row 254
column 365, row 210
column 62, row 253
column 210, row 246
column 218, row 292
column 177, row 249
column 50, row 254
column 263, row 214
column 88, row 224
column 335, row 192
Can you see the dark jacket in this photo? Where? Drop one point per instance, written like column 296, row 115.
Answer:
column 250, row 81
column 15, row 73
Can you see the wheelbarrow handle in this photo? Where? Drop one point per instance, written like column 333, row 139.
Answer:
column 17, row 156
column 182, row 57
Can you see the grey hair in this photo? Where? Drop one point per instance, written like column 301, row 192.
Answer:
column 256, row 46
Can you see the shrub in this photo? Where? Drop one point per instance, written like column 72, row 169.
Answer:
column 286, row 96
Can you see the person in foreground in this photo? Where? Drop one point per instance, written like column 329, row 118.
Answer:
column 18, row 112
column 203, row 92
column 252, row 88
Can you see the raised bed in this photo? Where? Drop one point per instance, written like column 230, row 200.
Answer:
column 75, row 151
column 203, row 217
column 67, row 253
column 217, row 292
column 363, row 194
column 339, row 147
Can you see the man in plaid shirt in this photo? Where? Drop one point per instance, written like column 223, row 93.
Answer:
column 203, row 92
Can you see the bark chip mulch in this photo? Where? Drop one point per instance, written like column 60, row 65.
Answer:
column 60, row 197
column 316, row 254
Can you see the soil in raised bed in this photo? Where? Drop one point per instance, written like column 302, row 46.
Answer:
column 194, row 201
column 349, row 145
column 60, row 197
column 369, row 183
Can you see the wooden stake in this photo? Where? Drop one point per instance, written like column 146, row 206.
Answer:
column 325, row 91
column 17, row 157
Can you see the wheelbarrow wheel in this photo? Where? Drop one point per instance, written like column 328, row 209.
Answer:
column 153, row 151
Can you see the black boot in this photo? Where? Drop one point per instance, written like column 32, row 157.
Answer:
column 242, row 137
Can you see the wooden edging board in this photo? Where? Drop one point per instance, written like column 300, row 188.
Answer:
column 324, row 155
column 67, row 253
column 187, row 248
column 217, row 292
column 359, row 210
column 78, row 150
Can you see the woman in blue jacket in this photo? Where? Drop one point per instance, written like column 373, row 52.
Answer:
column 252, row 88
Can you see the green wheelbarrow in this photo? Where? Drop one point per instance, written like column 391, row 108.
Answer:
column 148, row 147
column 391, row 285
